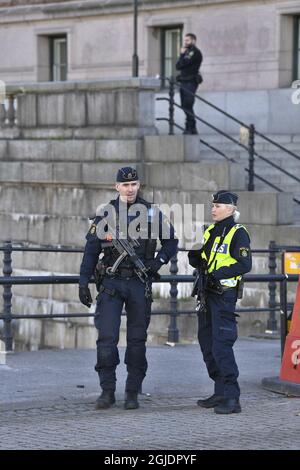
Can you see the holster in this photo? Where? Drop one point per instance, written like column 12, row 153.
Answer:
column 99, row 274
column 240, row 289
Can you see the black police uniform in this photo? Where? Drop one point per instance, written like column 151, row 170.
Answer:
column 188, row 64
column 123, row 288
column 217, row 327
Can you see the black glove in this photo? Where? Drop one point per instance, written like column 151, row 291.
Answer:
column 195, row 258
column 214, row 284
column 85, row 295
column 154, row 266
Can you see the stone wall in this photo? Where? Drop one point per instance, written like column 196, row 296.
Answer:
column 246, row 44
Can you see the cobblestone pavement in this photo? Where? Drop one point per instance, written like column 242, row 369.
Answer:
column 47, row 402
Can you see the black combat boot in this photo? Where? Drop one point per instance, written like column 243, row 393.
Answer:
column 105, row 400
column 131, row 401
column 210, row 402
column 228, row 406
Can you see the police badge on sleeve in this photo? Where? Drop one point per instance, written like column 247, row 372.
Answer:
column 244, row 252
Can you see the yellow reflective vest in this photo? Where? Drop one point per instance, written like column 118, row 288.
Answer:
column 223, row 256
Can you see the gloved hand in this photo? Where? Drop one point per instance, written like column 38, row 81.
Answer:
column 214, row 284
column 85, row 295
column 154, row 266
column 194, row 258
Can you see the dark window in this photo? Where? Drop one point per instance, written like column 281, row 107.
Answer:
column 296, row 68
column 171, row 44
column 58, row 58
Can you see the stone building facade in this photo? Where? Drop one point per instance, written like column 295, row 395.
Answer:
column 247, row 45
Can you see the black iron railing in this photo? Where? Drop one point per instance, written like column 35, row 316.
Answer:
column 7, row 281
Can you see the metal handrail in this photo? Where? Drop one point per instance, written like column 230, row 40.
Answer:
column 238, row 121
column 252, row 132
column 218, row 151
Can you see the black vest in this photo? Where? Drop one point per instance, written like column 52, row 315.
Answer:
column 145, row 250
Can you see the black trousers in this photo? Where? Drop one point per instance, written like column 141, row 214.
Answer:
column 187, row 96
column 217, row 333
column 131, row 293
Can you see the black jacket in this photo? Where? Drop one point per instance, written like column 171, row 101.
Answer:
column 189, row 62
column 93, row 246
column 239, row 250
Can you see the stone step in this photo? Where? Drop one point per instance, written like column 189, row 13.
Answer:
column 71, row 150
column 255, row 207
column 195, row 176
column 61, row 229
column 69, row 173
column 260, row 145
column 282, row 139
column 278, row 157
column 31, row 205
column 43, row 229
column 201, row 175
column 52, row 200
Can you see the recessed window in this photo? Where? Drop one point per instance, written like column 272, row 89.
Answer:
column 170, row 50
column 58, row 58
column 296, row 71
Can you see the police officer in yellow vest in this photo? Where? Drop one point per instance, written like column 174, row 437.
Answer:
column 225, row 256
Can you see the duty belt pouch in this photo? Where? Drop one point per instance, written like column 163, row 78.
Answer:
column 99, row 273
column 240, row 289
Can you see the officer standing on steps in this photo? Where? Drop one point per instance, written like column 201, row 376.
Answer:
column 120, row 282
column 224, row 257
column 188, row 64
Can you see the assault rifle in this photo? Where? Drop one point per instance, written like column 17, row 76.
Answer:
column 199, row 287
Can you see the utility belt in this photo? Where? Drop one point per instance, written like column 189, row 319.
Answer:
column 219, row 289
column 190, row 78
column 124, row 273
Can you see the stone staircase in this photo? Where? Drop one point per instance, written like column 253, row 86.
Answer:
column 263, row 169
column 53, row 177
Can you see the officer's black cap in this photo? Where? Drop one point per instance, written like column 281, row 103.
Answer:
column 225, row 197
column 127, row 174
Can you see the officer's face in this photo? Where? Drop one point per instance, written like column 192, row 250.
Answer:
column 128, row 191
column 221, row 211
column 188, row 41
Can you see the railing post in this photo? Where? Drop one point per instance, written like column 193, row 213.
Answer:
column 7, row 296
column 171, row 105
column 2, row 114
column 251, row 150
column 11, row 111
column 272, row 323
column 283, row 314
column 173, row 333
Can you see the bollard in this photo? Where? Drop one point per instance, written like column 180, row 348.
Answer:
column 173, row 333
column 7, row 296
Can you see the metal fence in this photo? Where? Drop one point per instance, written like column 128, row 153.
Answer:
column 272, row 278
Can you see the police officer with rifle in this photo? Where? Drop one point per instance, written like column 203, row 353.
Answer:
column 125, row 234
column 221, row 262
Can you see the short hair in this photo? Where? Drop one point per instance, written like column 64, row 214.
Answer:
column 192, row 36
